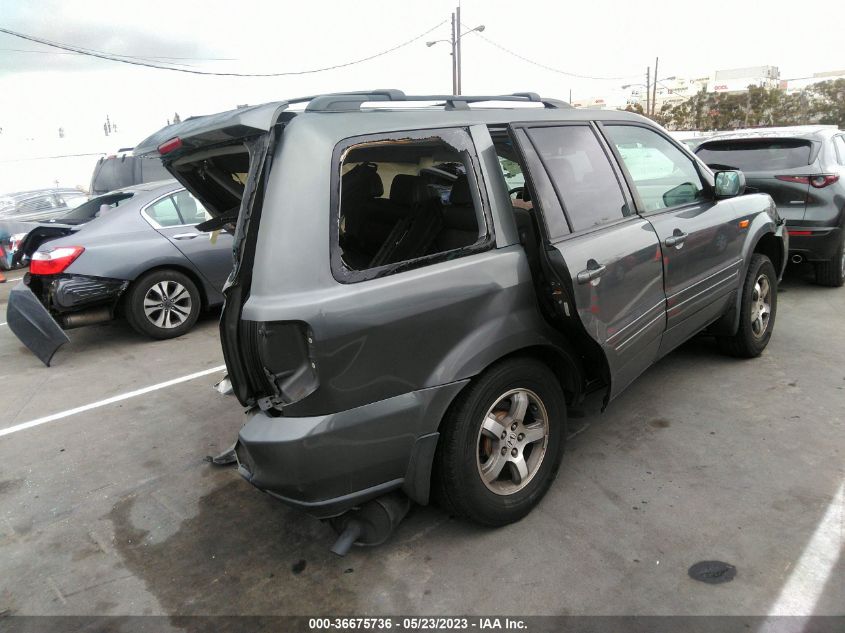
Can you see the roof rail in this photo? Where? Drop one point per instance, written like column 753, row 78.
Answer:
column 351, row 101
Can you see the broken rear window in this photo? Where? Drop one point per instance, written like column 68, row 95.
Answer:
column 402, row 200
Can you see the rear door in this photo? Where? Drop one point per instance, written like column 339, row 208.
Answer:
column 176, row 216
column 607, row 256
column 773, row 165
column 701, row 238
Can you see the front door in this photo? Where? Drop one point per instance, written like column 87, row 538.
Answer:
column 595, row 242
column 701, row 238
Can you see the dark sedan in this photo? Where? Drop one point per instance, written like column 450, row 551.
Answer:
column 142, row 257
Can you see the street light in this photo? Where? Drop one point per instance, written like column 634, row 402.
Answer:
column 455, row 43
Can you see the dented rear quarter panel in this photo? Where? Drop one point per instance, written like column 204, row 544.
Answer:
column 402, row 332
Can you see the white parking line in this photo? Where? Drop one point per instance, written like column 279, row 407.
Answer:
column 101, row 403
column 3, row 323
column 812, row 573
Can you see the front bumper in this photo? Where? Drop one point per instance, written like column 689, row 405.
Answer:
column 815, row 244
column 328, row 464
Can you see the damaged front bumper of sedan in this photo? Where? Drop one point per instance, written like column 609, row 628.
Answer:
column 40, row 308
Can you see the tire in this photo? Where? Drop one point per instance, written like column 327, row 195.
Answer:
column 832, row 273
column 161, row 287
column 755, row 328
column 465, row 450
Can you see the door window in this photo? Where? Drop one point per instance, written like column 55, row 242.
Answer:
column 662, row 174
column 581, row 173
column 164, row 212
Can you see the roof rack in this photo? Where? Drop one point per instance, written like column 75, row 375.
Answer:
column 351, row 101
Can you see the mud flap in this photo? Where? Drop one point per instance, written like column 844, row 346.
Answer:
column 33, row 325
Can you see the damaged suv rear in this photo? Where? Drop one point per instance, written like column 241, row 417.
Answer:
column 393, row 320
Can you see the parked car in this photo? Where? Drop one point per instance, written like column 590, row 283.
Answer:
column 143, row 257
column 18, row 211
column 803, row 169
column 124, row 169
column 380, row 336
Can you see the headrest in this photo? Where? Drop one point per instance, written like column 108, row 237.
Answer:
column 460, row 192
column 406, row 189
column 362, row 182
column 460, row 218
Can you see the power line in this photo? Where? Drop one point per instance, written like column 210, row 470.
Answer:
column 546, row 66
column 136, row 62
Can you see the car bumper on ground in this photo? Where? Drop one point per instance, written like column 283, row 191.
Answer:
column 328, row 464
column 30, row 321
column 77, row 300
column 814, row 243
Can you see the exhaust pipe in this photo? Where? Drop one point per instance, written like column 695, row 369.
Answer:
column 797, row 259
column 371, row 524
column 86, row 317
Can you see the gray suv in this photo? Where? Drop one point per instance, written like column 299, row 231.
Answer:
column 803, row 169
column 397, row 319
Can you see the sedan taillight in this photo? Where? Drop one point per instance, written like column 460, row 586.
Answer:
column 54, row 260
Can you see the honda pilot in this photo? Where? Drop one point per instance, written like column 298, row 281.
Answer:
column 401, row 318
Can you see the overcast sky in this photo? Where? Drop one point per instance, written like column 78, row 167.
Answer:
column 44, row 90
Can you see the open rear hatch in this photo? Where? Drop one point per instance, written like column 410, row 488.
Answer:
column 224, row 160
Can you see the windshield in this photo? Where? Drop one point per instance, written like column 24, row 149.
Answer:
column 762, row 155
column 94, row 207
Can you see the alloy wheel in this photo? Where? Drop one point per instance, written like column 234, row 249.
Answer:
column 512, row 441
column 167, row 304
column 761, row 306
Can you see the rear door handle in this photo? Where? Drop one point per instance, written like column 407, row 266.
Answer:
column 594, row 270
column 676, row 239
column 186, row 236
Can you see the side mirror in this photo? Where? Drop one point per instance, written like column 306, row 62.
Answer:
column 729, row 184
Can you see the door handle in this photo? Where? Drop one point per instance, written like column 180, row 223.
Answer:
column 676, row 239
column 594, row 270
column 186, row 236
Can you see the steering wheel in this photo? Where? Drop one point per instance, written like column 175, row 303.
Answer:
column 520, row 191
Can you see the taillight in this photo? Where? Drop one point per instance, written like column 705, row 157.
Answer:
column 54, row 260
column 169, row 146
column 817, row 180
column 823, row 180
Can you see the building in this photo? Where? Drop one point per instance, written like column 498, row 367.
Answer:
column 791, row 86
column 738, row 79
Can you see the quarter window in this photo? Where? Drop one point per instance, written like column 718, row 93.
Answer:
column 581, row 174
column 662, row 174
column 406, row 199
column 839, row 142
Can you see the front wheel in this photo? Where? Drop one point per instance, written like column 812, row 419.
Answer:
column 163, row 304
column 501, row 443
column 758, row 310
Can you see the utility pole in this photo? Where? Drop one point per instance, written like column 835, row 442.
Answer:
column 455, row 42
column 458, row 46
column 455, row 32
column 654, row 94
column 648, row 91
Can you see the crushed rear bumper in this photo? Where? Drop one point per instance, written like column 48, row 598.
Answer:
column 328, row 464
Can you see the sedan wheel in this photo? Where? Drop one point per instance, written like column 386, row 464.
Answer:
column 761, row 308
column 163, row 304
column 167, row 304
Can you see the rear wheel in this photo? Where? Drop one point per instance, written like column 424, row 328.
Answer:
column 832, row 272
column 757, row 314
column 501, row 443
column 163, row 304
